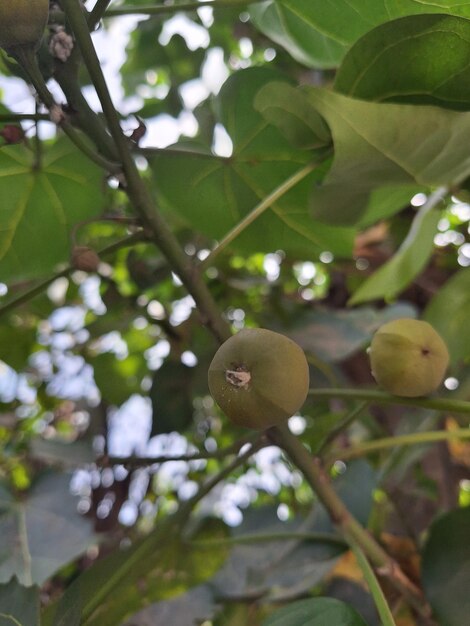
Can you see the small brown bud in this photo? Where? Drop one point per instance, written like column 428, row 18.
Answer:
column 84, row 259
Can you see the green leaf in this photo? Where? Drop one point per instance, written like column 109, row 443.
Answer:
column 315, row 612
column 40, row 205
column 16, row 344
column 344, row 21
column 19, row 606
column 334, row 335
column 448, row 313
column 194, row 607
column 42, row 532
column 172, row 407
column 421, row 59
column 281, row 569
column 218, row 193
column 291, row 31
column 117, row 379
column 380, row 145
column 290, row 110
column 446, row 567
column 156, row 567
column 413, row 255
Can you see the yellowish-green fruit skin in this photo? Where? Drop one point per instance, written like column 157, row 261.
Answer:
column 408, row 358
column 22, row 22
column 279, row 378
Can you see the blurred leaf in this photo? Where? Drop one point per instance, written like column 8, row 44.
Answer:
column 392, row 62
column 289, row 109
column 380, row 145
column 447, row 312
column 278, row 569
column 67, row 454
column 315, row 612
column 42, row 532
column 410, row 260
column 218, row 193
column 305, row 44
column 172, row 406
column 40, row 205
column 197, row 605
column 117, row 379
column 334, row 335
column 16, row 345
column 459, row 450
column 159, row 566
column 19, row 605
column 285, row 568
column 446, row 567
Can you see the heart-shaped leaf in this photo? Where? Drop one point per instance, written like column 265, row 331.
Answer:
column 41, row 202
column 215, row 194
column 385, row 144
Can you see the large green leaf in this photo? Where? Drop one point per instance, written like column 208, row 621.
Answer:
column 40, row 205
column 448, row 313
column 344, row 21
column 315, row 612
column 303, row 42
column 420, row 59
column 214, row 194
column 411, row 258
column 446, row 567
column 156, row 567
column 41, row 532
column 19, row 606
column 380, row 145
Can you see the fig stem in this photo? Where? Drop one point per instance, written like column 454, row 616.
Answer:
column 348, row 526
column 375, row 589
column 381, row 397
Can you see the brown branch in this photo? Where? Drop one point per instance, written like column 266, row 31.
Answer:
column 352, row 531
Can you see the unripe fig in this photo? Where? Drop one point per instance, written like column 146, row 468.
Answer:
column 22, row 22
column 259, row 378
column 408, row 358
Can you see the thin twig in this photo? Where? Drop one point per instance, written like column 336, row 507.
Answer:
column 39, row 288
column 412, row 439
column 205, row 544
column 338, row 428
column 381, row 397
column 375, row 589
column 139, row 461
column 259, row 209
column 139, row 194
column 347, row 525
column 174, row 8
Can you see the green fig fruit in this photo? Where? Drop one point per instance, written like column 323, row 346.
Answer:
column 259, row 378
column 22, row 22
column 408, row 358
